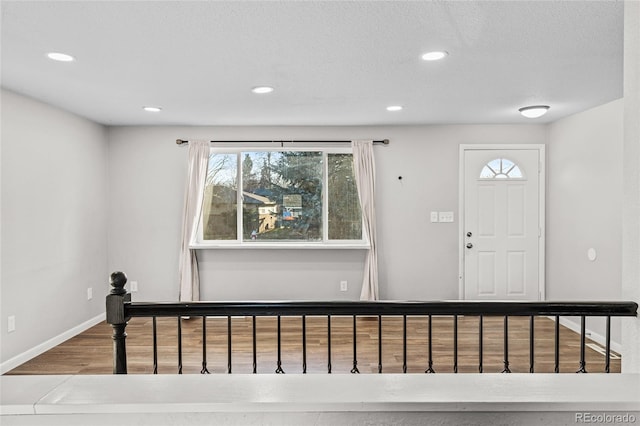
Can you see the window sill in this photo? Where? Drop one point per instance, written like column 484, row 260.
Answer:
column 282, row 246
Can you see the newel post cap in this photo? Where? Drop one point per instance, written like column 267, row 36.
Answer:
column 116, row 299
column 118, row 280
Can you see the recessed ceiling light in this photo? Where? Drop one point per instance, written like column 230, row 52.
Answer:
column 262, row 89
column 534, row 111
column 152, row 109
column 434, row 56
column 60, row 57
column 394, row 108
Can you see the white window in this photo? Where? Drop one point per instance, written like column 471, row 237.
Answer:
column 501, row 168
column 280, row 198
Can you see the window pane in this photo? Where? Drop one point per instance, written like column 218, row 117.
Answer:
column 345, row 219
column 487, row 173
column 515, row 172
column 219, row 215
column 282, row 196
column 501, row 168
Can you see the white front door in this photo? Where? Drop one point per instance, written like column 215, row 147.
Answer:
column 502, row 244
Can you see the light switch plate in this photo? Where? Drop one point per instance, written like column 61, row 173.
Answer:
column 434, row 217
column 446, row 217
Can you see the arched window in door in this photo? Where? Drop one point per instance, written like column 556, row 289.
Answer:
column 501, row 168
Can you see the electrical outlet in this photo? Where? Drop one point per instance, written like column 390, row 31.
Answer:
column 343, row 286
column 134, row 286
column 11, row 323
column 89, row 293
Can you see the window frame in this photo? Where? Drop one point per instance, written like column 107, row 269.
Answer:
column 197, row 242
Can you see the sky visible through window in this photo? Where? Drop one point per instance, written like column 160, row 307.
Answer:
column 501, row 168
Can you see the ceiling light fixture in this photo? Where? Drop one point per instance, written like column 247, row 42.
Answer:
column 534, row 111
column 262, row 89
column 60, row 57
column 152, row 109
column 394, row 108
column 434, row 56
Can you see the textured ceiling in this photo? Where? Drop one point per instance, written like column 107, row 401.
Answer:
column 331, row 63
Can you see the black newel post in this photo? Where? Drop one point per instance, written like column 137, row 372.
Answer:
column 116, row 317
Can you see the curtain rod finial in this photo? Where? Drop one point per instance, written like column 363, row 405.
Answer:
column 180, row 141
column 385, row 141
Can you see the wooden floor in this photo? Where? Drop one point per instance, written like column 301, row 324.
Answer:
column 91, row 352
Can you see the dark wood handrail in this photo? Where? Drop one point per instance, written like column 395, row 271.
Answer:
column 297, row 308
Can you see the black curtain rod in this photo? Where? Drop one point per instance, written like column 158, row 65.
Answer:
column 380, row 142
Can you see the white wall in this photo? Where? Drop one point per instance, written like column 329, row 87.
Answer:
column 584, row 208
column 54, row 216
column 418, row 259
column 631, row 208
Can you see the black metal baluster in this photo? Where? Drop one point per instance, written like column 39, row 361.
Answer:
column 279, row 369
column 379, row 344
column 607, row 349
column 228, row 344
column 204, row 346
column 404, row 343
column 557, row 345
column 355, row 348
column 255, row 352
column 304, row 344
column 430, row 368
column 455, row 343
column 480, row 344
column 179, row 345
column 531, row 344
column 155, row 347
column 506, row 345
column 583, row 362
column 329, row 344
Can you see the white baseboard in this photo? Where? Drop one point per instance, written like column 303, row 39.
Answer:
column 596, row 337
column 49, row 344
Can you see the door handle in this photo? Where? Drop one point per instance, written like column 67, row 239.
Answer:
column 469, row 234
column 469, row 245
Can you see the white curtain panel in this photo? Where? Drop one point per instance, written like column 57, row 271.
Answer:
column 365, row 173
column 197, row 172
